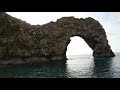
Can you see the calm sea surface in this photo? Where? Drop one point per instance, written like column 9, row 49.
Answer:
column 77, row 66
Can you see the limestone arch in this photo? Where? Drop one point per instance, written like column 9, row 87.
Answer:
column 98, row 46
column 88, row 29
column 22, row 40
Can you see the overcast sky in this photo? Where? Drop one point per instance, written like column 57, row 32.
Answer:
column 109, row 20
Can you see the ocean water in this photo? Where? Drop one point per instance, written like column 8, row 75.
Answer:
column 77, row 66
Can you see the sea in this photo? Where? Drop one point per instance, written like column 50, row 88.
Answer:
column 77, row 66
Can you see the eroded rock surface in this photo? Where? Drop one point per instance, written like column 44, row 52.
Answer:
column 19, row 39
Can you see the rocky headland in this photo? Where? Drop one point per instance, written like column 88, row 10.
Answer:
column 21, row 42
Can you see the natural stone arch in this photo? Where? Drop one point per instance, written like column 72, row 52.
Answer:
column 91, row 31
column 19, row 39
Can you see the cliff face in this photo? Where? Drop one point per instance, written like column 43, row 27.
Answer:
column 19, row 39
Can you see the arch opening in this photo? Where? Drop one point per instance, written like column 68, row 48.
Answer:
column 78, row 46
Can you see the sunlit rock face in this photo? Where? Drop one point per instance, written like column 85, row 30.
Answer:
column 19, row 39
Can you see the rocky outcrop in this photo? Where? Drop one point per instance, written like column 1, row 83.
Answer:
column 19, row 39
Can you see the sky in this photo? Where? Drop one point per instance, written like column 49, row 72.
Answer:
column 109, row 20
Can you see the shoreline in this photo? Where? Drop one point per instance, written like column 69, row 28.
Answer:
column 15, row 61
column 31, row 60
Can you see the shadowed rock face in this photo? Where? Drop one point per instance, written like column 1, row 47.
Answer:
column 19, row 39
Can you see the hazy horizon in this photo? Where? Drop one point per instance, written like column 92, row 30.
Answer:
column 109, row 20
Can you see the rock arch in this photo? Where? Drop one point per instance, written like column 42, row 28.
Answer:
column 19, row 39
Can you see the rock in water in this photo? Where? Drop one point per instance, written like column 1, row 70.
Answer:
column 19, row 39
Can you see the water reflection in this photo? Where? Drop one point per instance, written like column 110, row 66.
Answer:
column 80, row 68
column 89, row 67
column 102, row 68
column 55, row 69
